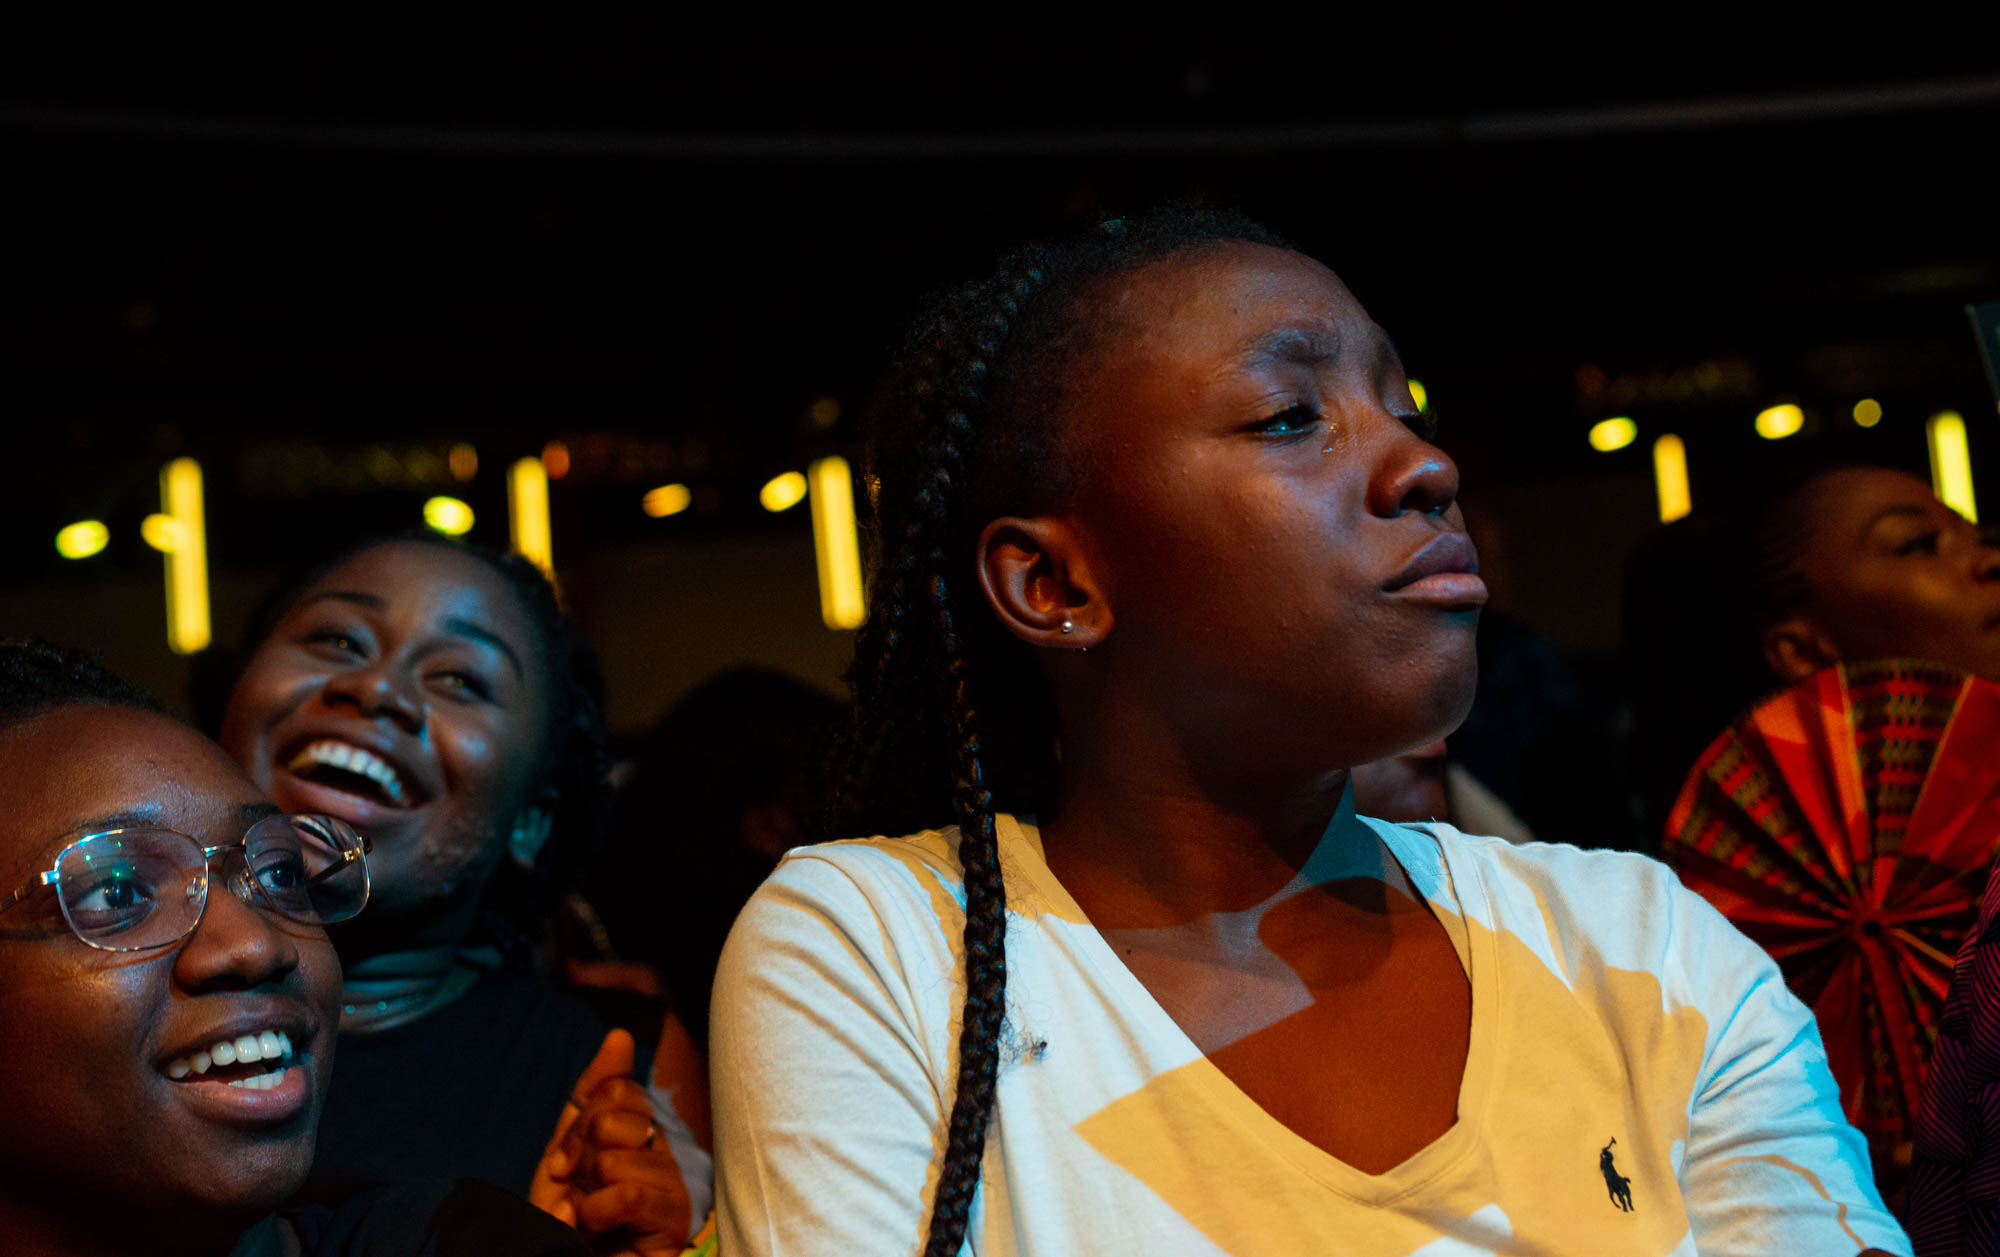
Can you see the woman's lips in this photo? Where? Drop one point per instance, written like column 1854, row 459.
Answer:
column 1463, row 590
column 296, row 794
column 219, row 1101
column 1444, row 572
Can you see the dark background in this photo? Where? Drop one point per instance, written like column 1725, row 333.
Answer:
column 316, row 263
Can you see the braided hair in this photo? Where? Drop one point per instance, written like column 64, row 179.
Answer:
column 575, row 763
column 951, row 716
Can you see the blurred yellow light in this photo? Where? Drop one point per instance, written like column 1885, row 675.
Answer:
column 1779, row 422
column 1420, row 395
column 182, row 502
column 464, row 462
column 782, row 493
column 160, row 532
column 1670, row 477
column 555, row 459
column 449, row 516
column 528, row 514
column 824, row 413
column 1951, row 463
column 1868, row 412
column 1613, row 434
column 668, row 499
column 836, row 545
column 82, row 539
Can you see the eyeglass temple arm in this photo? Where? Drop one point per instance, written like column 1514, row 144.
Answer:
column 47, row 878
column 347, row 857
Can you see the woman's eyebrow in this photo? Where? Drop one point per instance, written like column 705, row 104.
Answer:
column 1887, row 512
column 123, row 818
column 341, row 595
column 148, row 814
column 1291, row 346
column 480, row 633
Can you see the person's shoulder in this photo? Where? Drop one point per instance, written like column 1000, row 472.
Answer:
column 883, row 895
column 916, row 864
column 1559, row 866
column 541, row 1021
column 1561, row 872
column 465, row 1217
column 530, row 997
column 1617, row 908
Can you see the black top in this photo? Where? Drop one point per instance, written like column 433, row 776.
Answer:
column 436, row 1219
column 472, row 1090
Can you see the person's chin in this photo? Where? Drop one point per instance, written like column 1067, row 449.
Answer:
column 1446, row 705
column 247, row 1170
column 250, row 1184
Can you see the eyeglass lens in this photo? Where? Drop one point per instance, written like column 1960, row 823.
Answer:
column 141, row 888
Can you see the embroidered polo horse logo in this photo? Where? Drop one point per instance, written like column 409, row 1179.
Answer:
column 1617, row 1184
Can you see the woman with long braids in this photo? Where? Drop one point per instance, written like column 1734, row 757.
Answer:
column 1165, row 550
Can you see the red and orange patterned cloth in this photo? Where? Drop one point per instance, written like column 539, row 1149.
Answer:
column 1847, row 824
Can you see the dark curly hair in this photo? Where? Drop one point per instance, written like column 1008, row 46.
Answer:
column 951, row 716
column 575, row 763
column 38, row 677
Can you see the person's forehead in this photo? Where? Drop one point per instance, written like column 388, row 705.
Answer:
column 1223, row 318
column 1856, row 500
column 430, row 585
column 80, row 766
column 1220, row 298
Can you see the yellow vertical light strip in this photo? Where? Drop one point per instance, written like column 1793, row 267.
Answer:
column 187, row 562
column 1951, row 462
column 835, row 543
column 1670, row 477
column 528, row 514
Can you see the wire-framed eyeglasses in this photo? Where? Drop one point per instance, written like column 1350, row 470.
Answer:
column 141, row 887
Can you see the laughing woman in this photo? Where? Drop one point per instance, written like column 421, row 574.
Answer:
column 171, row 998
column 1166, row 549
column 433, row 696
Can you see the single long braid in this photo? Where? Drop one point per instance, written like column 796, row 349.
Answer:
column 985, row 936
column 950, row 713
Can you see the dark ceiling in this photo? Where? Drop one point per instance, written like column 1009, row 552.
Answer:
column 664, row 251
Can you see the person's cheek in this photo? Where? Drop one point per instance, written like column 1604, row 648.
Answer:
column 470, row 757
column 322, row 975
column 486, row 786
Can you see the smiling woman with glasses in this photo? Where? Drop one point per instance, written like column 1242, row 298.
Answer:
column 165, row 1051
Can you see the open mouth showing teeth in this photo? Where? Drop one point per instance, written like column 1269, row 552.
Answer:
column 256, row 1062
column 345, row 767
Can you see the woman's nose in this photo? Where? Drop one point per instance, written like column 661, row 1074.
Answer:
column 1414, row 475
column 235, row 945
column 1986, row 562
column 378, row 690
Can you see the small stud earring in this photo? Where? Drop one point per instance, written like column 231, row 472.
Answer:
column 1068, row 626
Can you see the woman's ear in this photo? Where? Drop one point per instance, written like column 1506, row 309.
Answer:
column 1796, row 648
column 531, row 831
column 1039, row 583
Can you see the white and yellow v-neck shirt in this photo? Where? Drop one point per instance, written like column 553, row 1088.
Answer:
column 1608, row 1003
